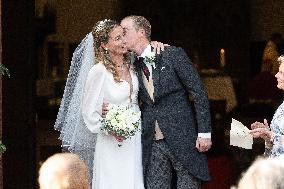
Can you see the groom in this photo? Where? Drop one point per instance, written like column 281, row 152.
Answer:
column 174, row 136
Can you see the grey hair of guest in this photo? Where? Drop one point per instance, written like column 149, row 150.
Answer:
column 264, row 174
column 281, row 59
column 64, row 171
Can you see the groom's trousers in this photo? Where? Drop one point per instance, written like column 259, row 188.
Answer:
column 159, row 173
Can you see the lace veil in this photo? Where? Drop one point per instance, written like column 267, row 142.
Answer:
column 74, row 134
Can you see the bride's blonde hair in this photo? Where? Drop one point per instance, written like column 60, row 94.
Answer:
column 100, row 33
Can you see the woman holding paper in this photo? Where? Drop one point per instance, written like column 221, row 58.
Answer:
column 273, row 134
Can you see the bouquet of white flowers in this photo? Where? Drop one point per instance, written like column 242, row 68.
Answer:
column 121, row 121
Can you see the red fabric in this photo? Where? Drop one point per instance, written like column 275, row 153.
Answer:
column 221, row 173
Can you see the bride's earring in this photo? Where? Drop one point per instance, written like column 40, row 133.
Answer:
column 106, row 50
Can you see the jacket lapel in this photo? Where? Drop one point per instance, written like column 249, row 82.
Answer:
column 156, row 75
column 142, row 87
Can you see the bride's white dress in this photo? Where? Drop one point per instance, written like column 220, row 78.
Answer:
column 114, row 167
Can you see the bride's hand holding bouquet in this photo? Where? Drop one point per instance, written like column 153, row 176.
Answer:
column 121, row 121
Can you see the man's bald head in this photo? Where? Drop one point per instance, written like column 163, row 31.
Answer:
column 64, row 171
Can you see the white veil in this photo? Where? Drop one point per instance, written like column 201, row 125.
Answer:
column 74, row 134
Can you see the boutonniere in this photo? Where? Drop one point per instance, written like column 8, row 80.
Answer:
column 151, row 58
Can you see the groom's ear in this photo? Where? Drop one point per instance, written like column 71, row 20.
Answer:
column 142, row 32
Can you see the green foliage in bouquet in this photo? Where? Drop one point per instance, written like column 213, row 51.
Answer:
column 2, row 147
column 121, row 121
column 3, row 71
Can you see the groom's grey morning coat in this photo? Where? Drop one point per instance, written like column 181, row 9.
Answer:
column 174, row 78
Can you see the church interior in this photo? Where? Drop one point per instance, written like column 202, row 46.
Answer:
column 224, row 39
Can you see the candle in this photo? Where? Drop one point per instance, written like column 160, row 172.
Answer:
column 222, row 58
column 39, row 5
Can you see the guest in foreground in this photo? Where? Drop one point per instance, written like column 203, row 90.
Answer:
column 64, row 171
column 264, row 174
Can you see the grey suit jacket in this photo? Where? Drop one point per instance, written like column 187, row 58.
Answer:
column 174, row 79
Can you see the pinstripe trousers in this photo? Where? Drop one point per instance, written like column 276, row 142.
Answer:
column 159, row 173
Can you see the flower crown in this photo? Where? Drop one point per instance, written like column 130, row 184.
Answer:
column 101, row 31
column 101, row 25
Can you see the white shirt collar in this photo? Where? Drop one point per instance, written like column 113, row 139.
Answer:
column 146, row 51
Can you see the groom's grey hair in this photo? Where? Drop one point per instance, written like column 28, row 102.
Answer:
column 141, row 22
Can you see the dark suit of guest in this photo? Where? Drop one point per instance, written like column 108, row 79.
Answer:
column 169, row 110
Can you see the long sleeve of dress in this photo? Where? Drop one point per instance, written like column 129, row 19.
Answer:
column 278, row 145
column 93, row 98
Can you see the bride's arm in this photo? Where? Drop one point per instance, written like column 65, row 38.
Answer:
column 158, row 46
column 93, row 98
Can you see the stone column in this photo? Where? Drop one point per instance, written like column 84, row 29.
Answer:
column 1, row 167
column 18, row 115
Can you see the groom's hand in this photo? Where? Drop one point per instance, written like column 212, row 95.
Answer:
column 104, row 110
column 203, row 144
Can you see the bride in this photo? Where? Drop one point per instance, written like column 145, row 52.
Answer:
column 101, row 71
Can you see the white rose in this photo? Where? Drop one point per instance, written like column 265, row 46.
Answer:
column 113, row 122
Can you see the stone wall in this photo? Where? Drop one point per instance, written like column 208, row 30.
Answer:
column 75, row 18
column 266, row 17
